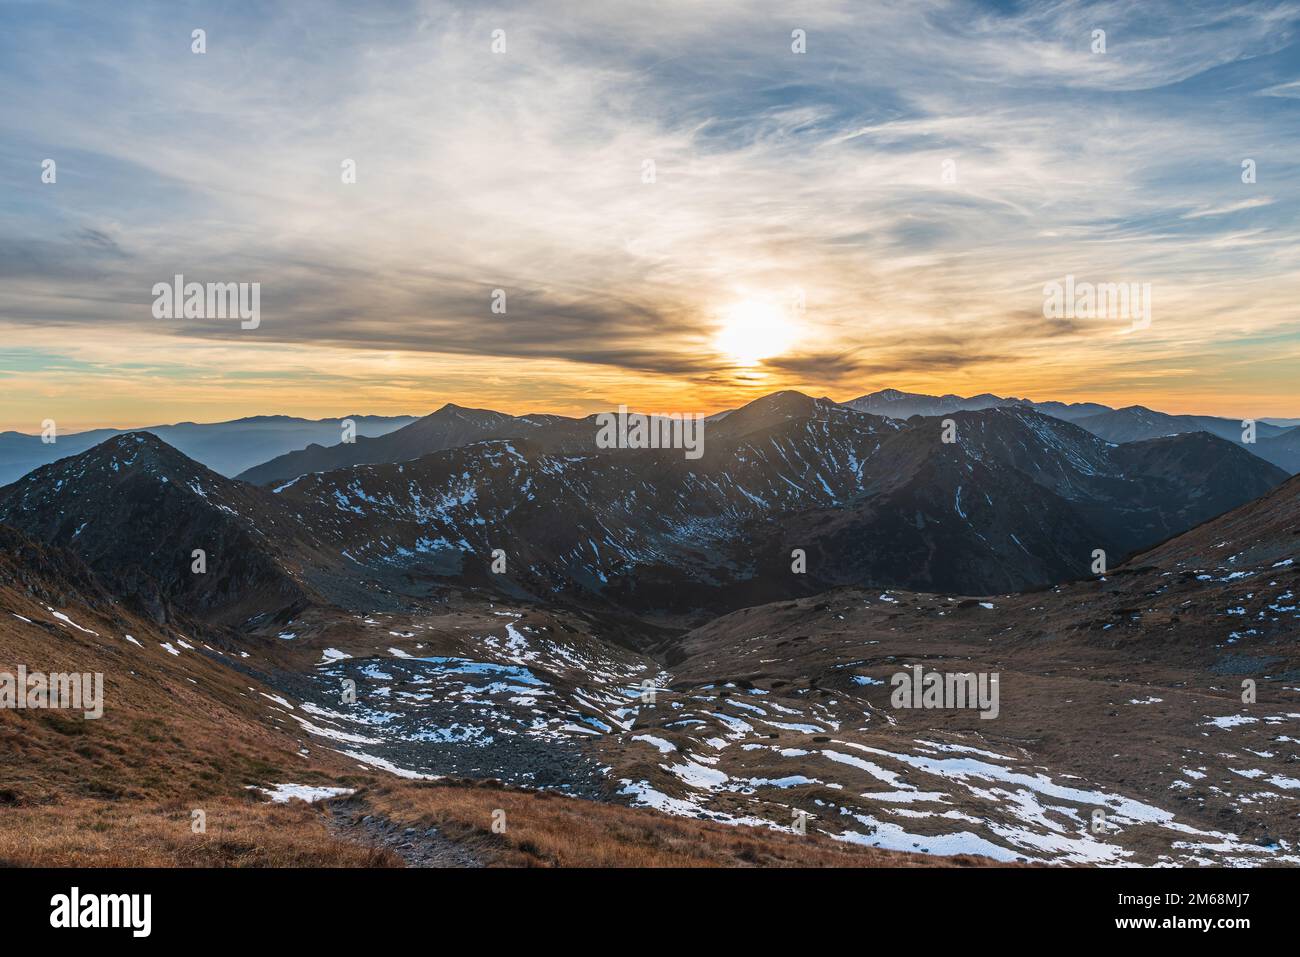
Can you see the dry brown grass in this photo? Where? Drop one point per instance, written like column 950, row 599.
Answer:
column 240, row 833
column 178, row 733
column 185, row 732
column 550, row 830
column 181, row 727
column 542, row 830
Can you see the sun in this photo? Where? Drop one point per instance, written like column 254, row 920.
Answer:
column 754, row 330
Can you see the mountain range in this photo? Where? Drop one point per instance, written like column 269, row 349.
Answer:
column 1276, row 441
column 225, row 447
column 453, row 426
column 708, row 641
column 274, row 448
column 771, row 707
column 1017, row 500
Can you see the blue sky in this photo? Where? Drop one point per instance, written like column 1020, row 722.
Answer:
column 814, row 178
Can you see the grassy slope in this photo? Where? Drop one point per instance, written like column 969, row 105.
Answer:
column 188, row 731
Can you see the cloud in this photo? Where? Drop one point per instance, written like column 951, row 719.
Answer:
column 1252, row 203
column 774, row 173
column 1290, row 90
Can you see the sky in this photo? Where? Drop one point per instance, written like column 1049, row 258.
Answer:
column 678, row 209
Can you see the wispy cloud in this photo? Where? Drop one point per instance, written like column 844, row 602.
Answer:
column 914, row 178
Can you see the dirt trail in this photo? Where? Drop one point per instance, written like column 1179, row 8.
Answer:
column 418, row 847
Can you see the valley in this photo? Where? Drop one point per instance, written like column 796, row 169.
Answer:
column 351, row 651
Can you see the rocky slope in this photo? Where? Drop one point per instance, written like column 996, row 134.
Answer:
column 136, row 510
column 1148, row 716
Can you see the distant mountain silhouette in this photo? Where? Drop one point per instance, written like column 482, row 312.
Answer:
column 225, row 447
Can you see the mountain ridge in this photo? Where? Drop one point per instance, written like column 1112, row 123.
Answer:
column 1019, row 499
column 450, row 426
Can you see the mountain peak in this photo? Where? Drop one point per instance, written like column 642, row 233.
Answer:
column 786, row 404
column 117, row 458
column 784, row 399
column 140, row 450
column 128, row 441
column 453, row 411
column 134, row 508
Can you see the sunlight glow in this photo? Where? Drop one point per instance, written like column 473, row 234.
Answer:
column 754, row 330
